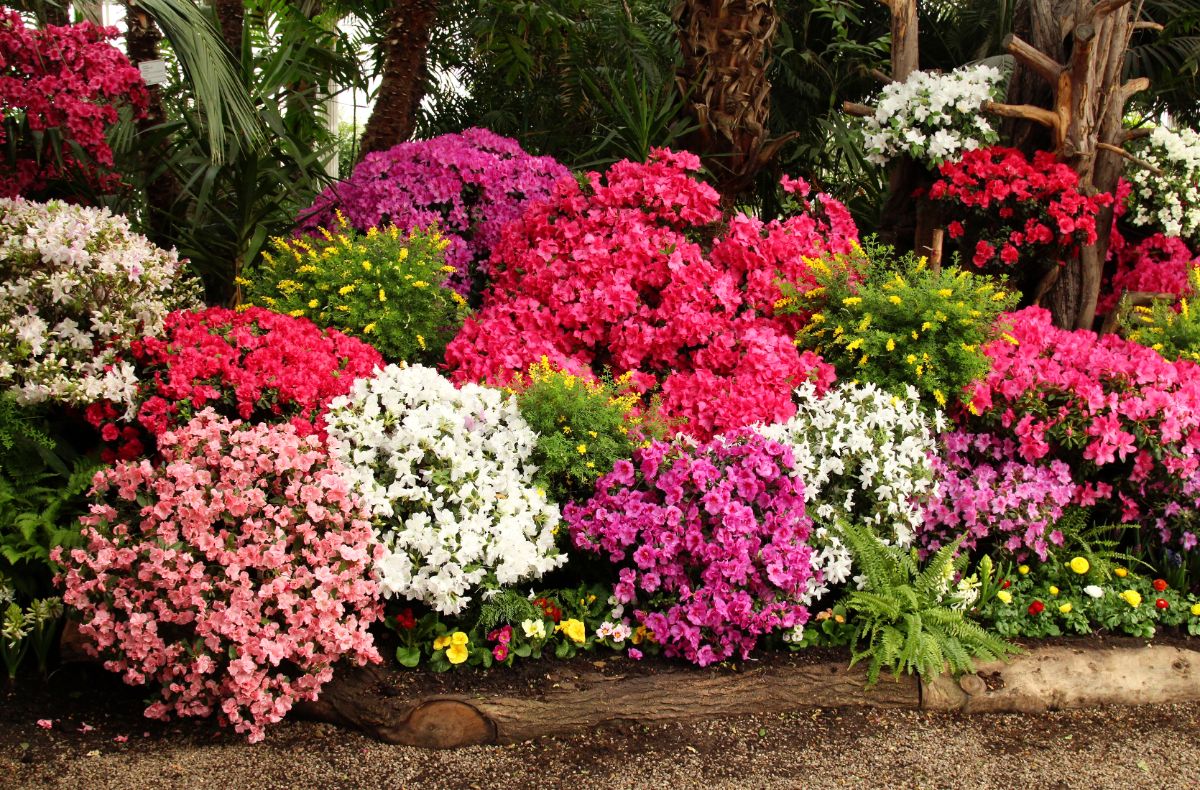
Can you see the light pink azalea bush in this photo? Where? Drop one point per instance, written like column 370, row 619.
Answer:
column 634, row 272
column 233, row 575
column 469, row 184
column 712, row 542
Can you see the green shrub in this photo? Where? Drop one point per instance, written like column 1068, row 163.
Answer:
column 896, row 322
column 385, row 287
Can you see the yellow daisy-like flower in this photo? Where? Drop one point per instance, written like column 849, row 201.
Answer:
column 313, row 304
column 582, row 448
column 420, row 284
column 852, row 300
column 366, row 266
column 346, row 289
column 891, row 345
column 1195, row 610
column 1023, row 570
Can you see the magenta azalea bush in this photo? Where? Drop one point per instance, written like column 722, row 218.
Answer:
column 1125, row 420
column 711, row 539
column 633, row 272
column 233, row 575
column 988, row 494
column 1157, row 264
column 470, row 184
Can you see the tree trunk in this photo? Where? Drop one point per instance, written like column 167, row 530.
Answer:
column 906, row 223
column 726, row 46
column 409, row 26
column 231, row 15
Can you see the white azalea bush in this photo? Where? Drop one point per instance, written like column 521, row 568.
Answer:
column 445, row 474
column 865, row 455
column 933, row 117
column 77, row 286
column 1168, row 201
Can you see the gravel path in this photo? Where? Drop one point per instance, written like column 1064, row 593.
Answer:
column 1151, row 747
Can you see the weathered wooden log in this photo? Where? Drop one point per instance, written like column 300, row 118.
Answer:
column 1055, row 678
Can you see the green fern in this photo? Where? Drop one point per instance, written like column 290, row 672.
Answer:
column 903, row 621
column 506, row 606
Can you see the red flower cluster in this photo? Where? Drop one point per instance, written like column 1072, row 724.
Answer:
column 1157, row 264
column 549, row 608
column 66, row 80
column 632, row 273
column 1036, row 608
column 1016, row 206
column 254, row 365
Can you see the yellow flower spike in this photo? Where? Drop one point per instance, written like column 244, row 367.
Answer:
column 421, row 342
column 242, row 281
column 937, row 394
column 324, row 232
column 372, row 232
column 402, row 256
column 852, row 300
column 382, row 295
column 920, row 371
column 296, row 313
column 945, row 293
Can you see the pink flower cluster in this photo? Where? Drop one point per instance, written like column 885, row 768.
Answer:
column 470, row 184
column 1016, row 206
column 233, row 575
column 251, row 364
column 633, row 273
column 66, row 80
column 988, row 492
column 1125, row 420
column 712, row 542
column 1157, row 264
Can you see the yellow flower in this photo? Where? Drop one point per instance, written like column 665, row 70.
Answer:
column 313, row 303
column 456, row 654
column 574, row 629
column 926, row 326
column 296, row 313
column 1196, row 610
column 369, row 328
column 441, row 642
column 403, row 255
column 939, row 397
column 911, row 359
column 459, row 638
column 895, row 299
column 421, row 342
column 1023, row 570
column 852, row 300
column 1131, row 597
column 366, row 266
column 345, row 289
column 382, row 295
column 419, row 284
column 242, row 281
column 1005, row 596
column 1121, row 572
column 891, row 345
column 945, row 293
column 1053, row 590
column 582, row 448
column 1065, row 608
column 1080, row 565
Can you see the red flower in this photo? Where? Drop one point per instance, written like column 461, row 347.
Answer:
column 406, row 619
column 1036, row 608
column 1160, row 585
column 1160, row 603
column 1005, row 584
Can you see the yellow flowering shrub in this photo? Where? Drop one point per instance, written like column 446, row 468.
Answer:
column 895, row 321
column 384, row 287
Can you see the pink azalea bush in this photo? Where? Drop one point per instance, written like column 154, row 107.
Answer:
column 633, row 272
column 1157, row 264
column 67, row 81
column 711, row 539
column 233, row 575
column 470, row 184
column 986, row 492
column 252, row 364
column 1125, row 420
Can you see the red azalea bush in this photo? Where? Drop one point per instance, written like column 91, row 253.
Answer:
column 469, row 184
column 1157, row 264
column 1014, row 207
column 252, row 364
column 1125, row 420
column 712, row 541
column 65, row 81
column 233, row 575
column 634, row 273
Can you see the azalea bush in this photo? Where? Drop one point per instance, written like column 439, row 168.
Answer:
column 470, row 185
column 255, row 365
column 63, row 88
column 864, row 456
column 987, row 495
column 1157, row 264
column 1171, row 330
column 583, row 427
column 385, row 287
column 1015, row 209
column 933, row 117
column 77, row 287
column 1168, row 200
column 897, row 323
column 447, row 477
column 233, row 575
column 711, row 541
column 632, row 273
column 1125, row 420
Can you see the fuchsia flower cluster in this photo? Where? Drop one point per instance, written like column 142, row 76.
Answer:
column 234, row 574
column 251, row 364
column 988, row 492
column 632, row 273
column 712, row 541
column 1125, row 420
column 1157, row 264
column 470, row 184
column 1024, row 208
column 67, row 79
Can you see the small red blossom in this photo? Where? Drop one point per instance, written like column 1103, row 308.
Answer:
column 1159, row 585
column 406, row 620
column 1161, row 603
column 1036, row 608
column 1005, row 584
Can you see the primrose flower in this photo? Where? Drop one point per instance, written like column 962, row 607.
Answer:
column 574, row 629
column 1079, row 565
column 1195, row 610
column 534, row 629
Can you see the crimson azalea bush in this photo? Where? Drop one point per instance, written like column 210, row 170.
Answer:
column 469, row 184
column 712, row 542
column 1125, row 420
column 61, row 86
column 253, row 364
column 632, row 273
column 1157, row 264
column 988, row 494
column 1015, row 209
column 233, row 575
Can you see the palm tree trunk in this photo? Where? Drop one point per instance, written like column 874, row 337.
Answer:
column 231, row 15
column 409, row 26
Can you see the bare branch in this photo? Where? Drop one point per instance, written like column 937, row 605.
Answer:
column 1107, row 7
column 856, row 109
column 1025, row 111
column 1136, row 85
column 1042, row 64
column 1136, row 134
column 1121, row 152
column 1148, row 25
column 879, row 76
